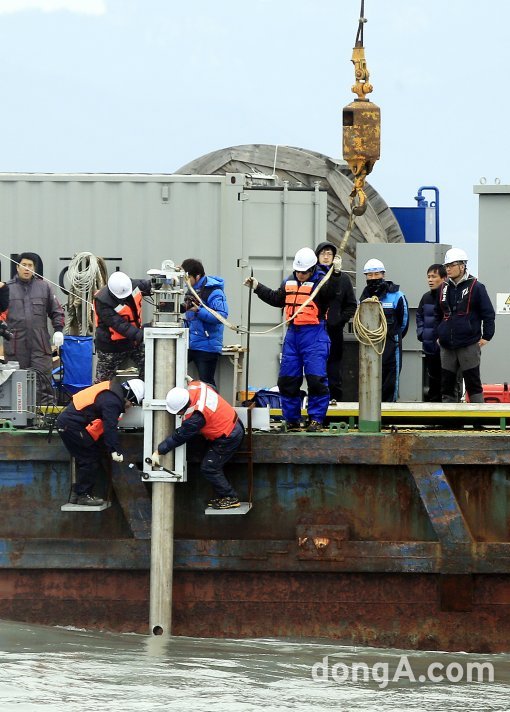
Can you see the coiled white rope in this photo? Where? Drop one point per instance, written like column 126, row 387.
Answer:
column 376, row 338
column 83, row 272
column 86, row 273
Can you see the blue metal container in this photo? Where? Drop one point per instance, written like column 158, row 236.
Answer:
column 421, row 223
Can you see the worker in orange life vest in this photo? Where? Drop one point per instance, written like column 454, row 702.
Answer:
column 119, row 332
column 306, row 345
column 88, row 426
column 205, row 412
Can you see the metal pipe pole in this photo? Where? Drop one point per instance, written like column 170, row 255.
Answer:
column 370, row 370
column 163, row 496
column 247, row 359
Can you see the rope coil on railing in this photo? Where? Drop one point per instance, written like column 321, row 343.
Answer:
column 365, row 336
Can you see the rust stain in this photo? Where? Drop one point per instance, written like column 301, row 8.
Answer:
column 321, row 542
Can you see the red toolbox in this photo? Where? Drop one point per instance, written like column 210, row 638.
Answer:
column 496, row 393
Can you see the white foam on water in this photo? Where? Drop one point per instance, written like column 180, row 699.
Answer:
column 77, row 671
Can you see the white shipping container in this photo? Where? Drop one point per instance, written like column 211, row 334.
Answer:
column 135, row 221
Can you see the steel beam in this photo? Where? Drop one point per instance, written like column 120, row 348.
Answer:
column 441, row 504
column 256, row 555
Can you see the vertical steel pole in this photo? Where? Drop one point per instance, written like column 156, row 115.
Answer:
column 370, row 368
column 163, row 494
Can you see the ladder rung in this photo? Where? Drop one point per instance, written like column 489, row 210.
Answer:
column 243, row 508
column 68, row 507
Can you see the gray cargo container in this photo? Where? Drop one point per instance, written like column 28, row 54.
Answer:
column 231, row 222
column 494, row 271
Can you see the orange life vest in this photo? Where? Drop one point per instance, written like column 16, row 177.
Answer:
column 219, row 415
column 296, row 294
column 127, row 313
column 84, row 398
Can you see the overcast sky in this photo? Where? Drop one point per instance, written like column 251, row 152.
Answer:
column 149, row 85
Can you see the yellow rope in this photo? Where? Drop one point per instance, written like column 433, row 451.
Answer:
column 375, row 338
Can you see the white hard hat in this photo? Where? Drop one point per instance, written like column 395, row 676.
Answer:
column 176, row 399
column 455, row 254
column 304, row 259
column 120, row 285
column 373, row 265
column 135, row 388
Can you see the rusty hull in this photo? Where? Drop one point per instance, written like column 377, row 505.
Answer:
column 394, row 539
column 382, row 610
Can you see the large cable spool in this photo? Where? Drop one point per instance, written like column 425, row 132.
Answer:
column 304, row 167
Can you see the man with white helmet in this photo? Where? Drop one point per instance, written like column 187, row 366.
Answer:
column 119, row 332
column 396, row 311
column 88, row 428
column 306, row 345
column 466, row 323
column 206, row 413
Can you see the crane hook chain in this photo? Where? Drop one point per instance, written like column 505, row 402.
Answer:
column 361, row 125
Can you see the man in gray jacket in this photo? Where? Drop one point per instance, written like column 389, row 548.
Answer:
column 31, row 303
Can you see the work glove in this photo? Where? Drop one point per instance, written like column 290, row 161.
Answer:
column 251, row 282
column 155, row 458
column 117, row 457
column 337, row 264
column 58, row 339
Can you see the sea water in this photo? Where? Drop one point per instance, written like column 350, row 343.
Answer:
column 70, row 669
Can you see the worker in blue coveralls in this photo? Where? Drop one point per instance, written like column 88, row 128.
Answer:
column 306, row 345
column 396, row 311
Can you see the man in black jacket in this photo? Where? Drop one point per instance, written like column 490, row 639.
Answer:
column 340, row 310
column 466, row 323
column 119, row 332
column 426, row 331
